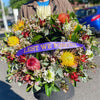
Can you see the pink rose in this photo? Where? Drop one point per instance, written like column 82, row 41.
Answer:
column 33, row 64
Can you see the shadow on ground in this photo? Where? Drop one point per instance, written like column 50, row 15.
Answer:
column 7, row 94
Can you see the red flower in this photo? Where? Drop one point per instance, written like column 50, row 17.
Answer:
column 83, row 58
column 27, row 78
column 74, row 76
column 26, row 34
column 63, row 17
column 85, row 37
column 10, row 57
column 22, row 58
column 42, row 22
column 33, row 64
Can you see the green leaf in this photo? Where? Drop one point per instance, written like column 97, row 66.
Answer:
column 9, row 68
column 29, row 88
column 78, row 28
column 48, row 89
column 6, row 34
column 81, row 67
column 74, row 84
column 36, row 38
column 37, row 79
column 27, row 72
column 73, row 15
column 37, row 55
column 54, row 38
column 55, row 89
column 69, row 69
column 75, row 37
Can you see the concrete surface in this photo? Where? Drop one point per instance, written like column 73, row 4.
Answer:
column 83, row 91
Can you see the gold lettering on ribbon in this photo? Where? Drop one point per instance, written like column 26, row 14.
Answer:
column 33, row 48
column 55, row 45
column 43, row 46
column 49, row 46
column 26, row 50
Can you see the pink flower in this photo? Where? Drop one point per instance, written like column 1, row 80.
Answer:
column 33, row 64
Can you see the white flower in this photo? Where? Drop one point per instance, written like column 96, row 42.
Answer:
column 48, row 76
column 67, row 27
column 89, row 32
column 90, row 55
column 84, row 27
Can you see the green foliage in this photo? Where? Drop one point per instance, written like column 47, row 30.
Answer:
column 36, row 38
column 75, row 37
column 17, row 3
column 49, row 87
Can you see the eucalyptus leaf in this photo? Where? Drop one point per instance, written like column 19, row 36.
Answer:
column 45, row 63
column 59, row 72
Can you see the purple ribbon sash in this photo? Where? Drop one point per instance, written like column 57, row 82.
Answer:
column 48, row 46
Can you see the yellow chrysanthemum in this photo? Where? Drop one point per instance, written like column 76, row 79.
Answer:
column 18, row 26
column 13, row 41
column 68, row 59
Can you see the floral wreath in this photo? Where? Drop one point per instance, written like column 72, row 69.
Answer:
column 45, row 68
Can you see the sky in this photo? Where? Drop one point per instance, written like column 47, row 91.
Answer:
column 6, row 2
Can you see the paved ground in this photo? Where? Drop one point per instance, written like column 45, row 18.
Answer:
column 83, row 91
